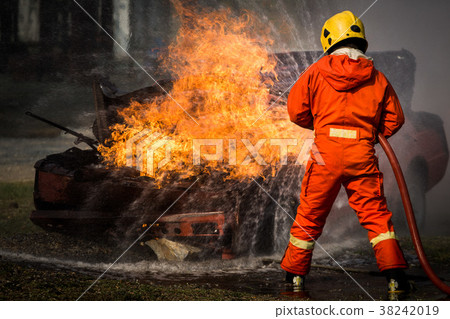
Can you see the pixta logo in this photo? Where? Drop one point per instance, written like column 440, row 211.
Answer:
column 141, row 148
column 252, row 151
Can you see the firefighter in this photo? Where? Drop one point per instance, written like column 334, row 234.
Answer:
column 346, row 101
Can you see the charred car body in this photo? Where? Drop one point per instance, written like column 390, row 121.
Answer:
column 74, row 192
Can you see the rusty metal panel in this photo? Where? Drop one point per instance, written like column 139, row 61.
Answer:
column 52, row 187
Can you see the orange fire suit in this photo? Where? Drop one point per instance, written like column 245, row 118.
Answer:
column 347, row 102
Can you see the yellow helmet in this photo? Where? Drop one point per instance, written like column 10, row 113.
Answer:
column 340, row 27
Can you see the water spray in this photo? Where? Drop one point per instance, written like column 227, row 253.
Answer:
column 410, row 215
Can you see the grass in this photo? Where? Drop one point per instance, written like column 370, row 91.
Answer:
column 16, row 204
column 437, row 248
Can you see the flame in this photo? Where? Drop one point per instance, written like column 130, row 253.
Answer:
column 223, row 75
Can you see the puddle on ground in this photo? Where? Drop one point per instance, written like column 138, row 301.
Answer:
column 256, row 275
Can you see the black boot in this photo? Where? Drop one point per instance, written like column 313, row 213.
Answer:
column 297, row 281
column 398, row 285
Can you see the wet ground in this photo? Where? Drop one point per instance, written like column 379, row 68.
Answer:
column 257, row 276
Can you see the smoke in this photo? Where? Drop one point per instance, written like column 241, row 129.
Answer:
column 390, row 26
column 404, row 25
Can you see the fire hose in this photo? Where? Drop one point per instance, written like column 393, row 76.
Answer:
column 410, row 215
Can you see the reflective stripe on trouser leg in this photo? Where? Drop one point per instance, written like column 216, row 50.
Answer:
column 383, row 236
column 298, row 256
column 297, row 260
column 320, row 187
column 303, row 244
column 366, row 197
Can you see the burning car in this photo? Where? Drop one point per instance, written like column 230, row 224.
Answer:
column 76, row 191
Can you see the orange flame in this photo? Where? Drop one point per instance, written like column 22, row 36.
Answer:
column 223, row 75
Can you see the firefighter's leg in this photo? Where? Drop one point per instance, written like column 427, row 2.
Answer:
column 320, row 187
column 366, row 197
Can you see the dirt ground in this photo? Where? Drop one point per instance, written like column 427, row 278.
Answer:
column 35, row 265
column 36, row 277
